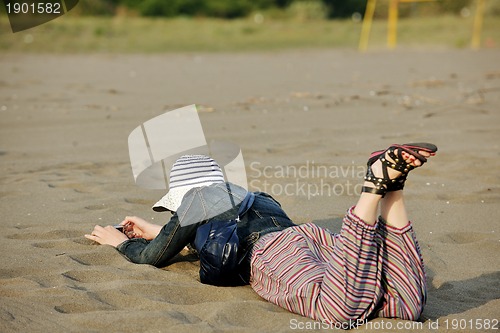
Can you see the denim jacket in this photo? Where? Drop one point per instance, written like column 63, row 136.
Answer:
column 215, row 202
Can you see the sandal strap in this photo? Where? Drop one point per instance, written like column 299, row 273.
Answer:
column 381, row 191
column 399, row 163
column 399, row 184
column 385, row 184
column 379, row 183
column 395, row 153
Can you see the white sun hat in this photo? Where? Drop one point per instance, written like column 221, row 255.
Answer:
column 188, row 172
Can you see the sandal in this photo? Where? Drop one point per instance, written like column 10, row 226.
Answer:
column 386, row 184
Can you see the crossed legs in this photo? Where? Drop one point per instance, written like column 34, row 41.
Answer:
column 373, row 267
column 403, row 275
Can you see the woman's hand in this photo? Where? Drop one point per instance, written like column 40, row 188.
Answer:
column 107, row 236
column 135, row 227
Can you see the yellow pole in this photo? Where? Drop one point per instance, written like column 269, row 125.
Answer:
column 478, row 25
column 367, row 25
column 392, row 24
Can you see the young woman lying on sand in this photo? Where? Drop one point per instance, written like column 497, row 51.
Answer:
column 372, row 268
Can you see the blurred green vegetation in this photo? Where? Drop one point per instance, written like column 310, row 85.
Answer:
column 257, row 33
column 278, row 25
column 162, row 8
column 242, row 8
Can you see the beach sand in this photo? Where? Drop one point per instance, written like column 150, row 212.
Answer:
column 64, row 164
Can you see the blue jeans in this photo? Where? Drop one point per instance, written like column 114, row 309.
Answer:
column 265, row 216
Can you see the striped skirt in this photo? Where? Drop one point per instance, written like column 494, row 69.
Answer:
column 363, row 272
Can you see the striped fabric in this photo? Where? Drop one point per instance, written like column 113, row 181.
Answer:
column 363, row 271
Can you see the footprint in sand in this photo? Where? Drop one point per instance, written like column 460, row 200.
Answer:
column 96, row 207
column 62, row 244
column 90, row 276
column 93, row 259
column 79, row 302
column 14, row 273
column 60, row 240
column 184, row 318
column 137, row 201
column 54, row 234
column 76, row 308
column 77, row 187
column 463, row 237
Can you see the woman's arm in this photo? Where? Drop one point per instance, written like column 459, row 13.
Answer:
column 157, row 252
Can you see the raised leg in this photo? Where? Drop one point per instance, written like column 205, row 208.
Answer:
column 403, row 275
column 370, row 268
column 393, row 209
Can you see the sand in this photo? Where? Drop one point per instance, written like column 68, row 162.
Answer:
column 65, row 167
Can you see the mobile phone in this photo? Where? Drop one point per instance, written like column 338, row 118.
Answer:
column 118, row 227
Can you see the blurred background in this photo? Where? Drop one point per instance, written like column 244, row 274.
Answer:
column 129, row 26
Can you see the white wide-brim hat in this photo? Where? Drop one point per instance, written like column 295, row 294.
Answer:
column 188, row 172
